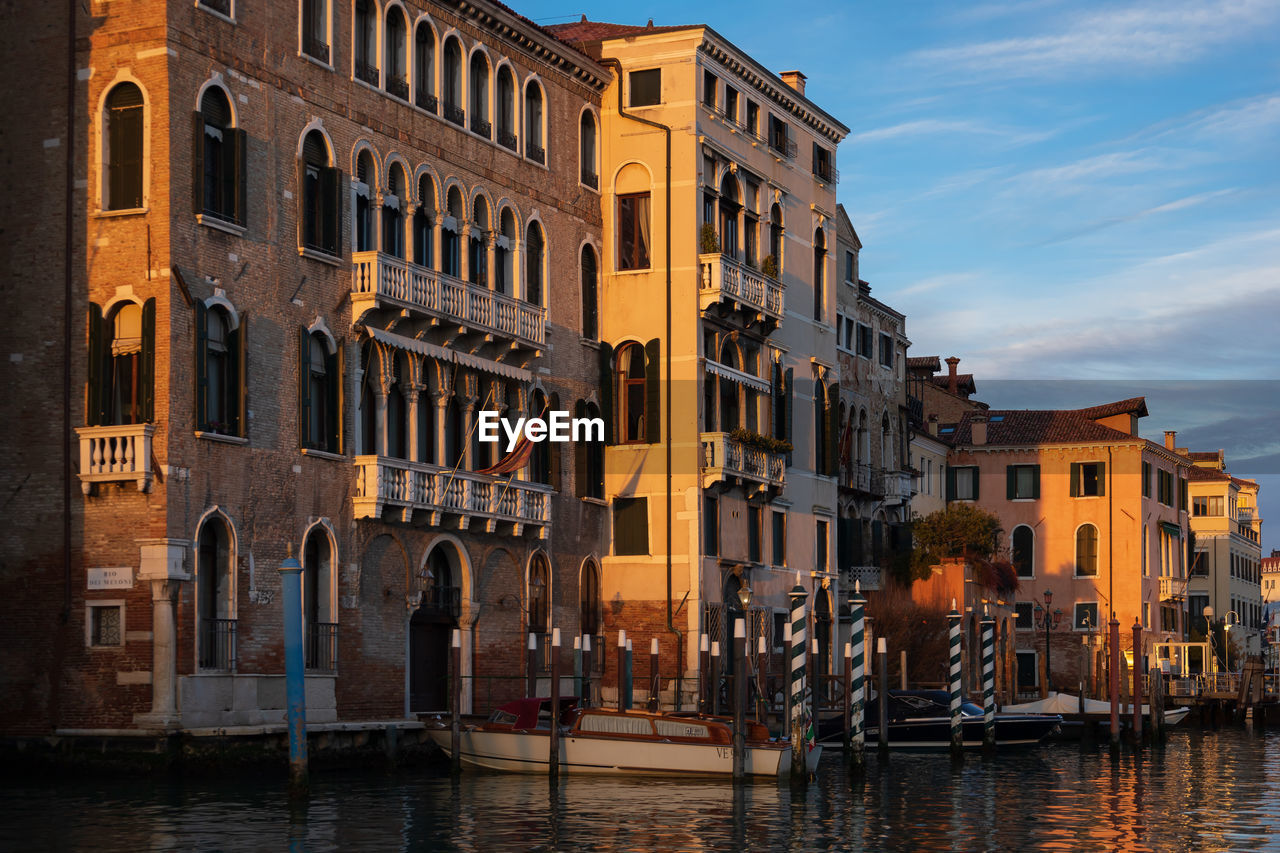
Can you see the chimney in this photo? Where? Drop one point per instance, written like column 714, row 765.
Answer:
column 953, row 382
column 795, row 80
column 977, row 429
column 1169, row 442
column 933, row 424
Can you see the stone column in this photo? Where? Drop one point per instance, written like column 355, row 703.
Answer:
column 464, row 251
column 380, row 407
column 441, row 401
column 162, row 565
column 411, row 395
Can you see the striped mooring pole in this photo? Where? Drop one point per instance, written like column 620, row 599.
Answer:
column 988, row 680
column 857, row 639
column 799, row 647
column 957, row 728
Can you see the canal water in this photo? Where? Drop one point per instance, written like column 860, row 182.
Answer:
column 1202, row 791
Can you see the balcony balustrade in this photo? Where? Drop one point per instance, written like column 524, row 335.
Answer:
column 723, row 459
column 381, row 278
column 454, row 113
column 730, row 280
column 508, row 140
column 115, row 453
column 481, row 126
column 896, row 485
column 867, row 576
column 467, row 497
column 1172, row 589
column 398, row 87
column 425, row 100
column 367, row 73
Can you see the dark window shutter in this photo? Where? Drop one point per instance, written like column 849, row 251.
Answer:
column 778, row 408
column 1035, row 482
column 580, row 451
column 239, row 350
column 334, row 365
column 304, row 386
column 977, row 481
column 1011, row 482
column 197, row 163
column 608, row 384
column 653, row 391
column 951, row 483
column 788, row 397
column 202, row 366
column 97, row 358
column 554, row 449
column 300, row 191
column 147, row 371
column 1102, row 478
column 1075, row 479
column 833, row 432
column 237, row 175
column 333, row 210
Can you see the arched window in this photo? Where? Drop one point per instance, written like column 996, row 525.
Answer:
column 319, row 614
column 775, row 242
column 127, row 359
column 590, row 296
column 819, row 426
column 730, row 418
column 1087, row 550
column 477, row 244
column 450, row 238
column 397, row 416
column 369, row 445
column 503, row 274
column 453, row 82
column 219, row 190
column 633, row 231
column 534, row 139
column 506, row 113
column 590, row 606
column 396, row 48
column 220, row 356
column 589, row 457
column 123, row 141
column 320, row 394
column 631, row 394
column 453, row 432
column 587, row 150
column 424, row 67
column 730, row 207
column 364, row 37
column 539, row 595
column 423, row 222
column 392, row 216
column 315, row 29
column 215, row 597
column 1024, row 554
column 479, row 82
column 321, row 201
column 540, row 461
column 534, row 263
column 362, row 222
column 819, row 273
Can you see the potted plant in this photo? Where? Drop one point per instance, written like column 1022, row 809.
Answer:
column 769, row 266
column 708, row 240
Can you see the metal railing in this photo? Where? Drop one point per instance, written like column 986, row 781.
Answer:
column 399, row 87
column 724, row 277
column 455, row 114
column 427, row 101
column 536, row 153
column 366, row 72
column 217, row 651
column 322, row 646
column 826, row 172
column 508, row 140
column 782, row 144
column 867, row 576
column 384, row 482
column 481, row 127
column 591, row 179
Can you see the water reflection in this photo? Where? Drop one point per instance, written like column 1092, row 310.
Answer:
column 1203, row 791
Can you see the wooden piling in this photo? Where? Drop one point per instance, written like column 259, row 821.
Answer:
column 455, row 705
column 553, row 763
column 1137, row 682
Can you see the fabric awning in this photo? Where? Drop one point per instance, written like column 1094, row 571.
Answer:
column 737, row 376
column 1171, row 528
column 449, row 356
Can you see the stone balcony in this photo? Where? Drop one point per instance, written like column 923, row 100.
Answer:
column 462, row 498
column 115, row 454
column 897, row 485
column 379, row 280
column 726, row 460
column 727, row 282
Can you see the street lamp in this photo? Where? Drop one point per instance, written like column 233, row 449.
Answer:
column 1226, row 634
column 1049, row 621
column 1208, row 635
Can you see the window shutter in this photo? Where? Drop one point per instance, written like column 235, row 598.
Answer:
column 833, row 432
column 97, row 357
column 1075, row 479
column 331, row 194
column 304, row 386
column 147, row 370
column 300, row 190
column 237, row 174
column 202, row 366
column 653, row 391
column 239, row 350
column 580, row 451
column 197, row 162
column 1035, row 482
column 951, row 483
column 337, row 380
column 788, row 395
column 776, row 407
column 608, row 383
column 1146, row 479
column 977, row 481
column 1102, row 478
column 1011, row 482
column 1182, row 493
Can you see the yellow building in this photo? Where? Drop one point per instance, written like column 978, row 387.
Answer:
column 718, row 358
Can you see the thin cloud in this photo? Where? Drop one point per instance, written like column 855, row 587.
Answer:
column 941, row 127
column 1168, row 207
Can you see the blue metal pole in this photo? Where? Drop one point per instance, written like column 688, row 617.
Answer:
column 294, row 664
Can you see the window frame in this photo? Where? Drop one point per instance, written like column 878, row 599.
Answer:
column 1080, row 479
column 1076, row 623
column 1013, row 485
column 650, row 78
column 637, row 262
column 1013, row 552
column 953, row 482
column 321, row 11
column 639, row 506
column 96, row 604
column 1076, row 565
column 114, row 171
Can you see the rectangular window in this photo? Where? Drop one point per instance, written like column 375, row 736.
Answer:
column 633, row 231
column 1028, row 671
column 315, row 29
column 1146, row 615
column 1182, row 493
column 105, row 624
column 821, row 564
column 780, row 137
column 1023, row 613
column 630, row 526
column 864, row 340
column 1086, row 617
column 1164, row 487
column 711, row 526
column 731, row 103
column 848, row 268
column 1088, row 479
column 886, row 350
column 822, row 166
column 755, row 532
column 963, row 483
column 1023, row 482
column 646, row 87
column 753, row 117
column 709, row 87
column 779, row 538
column 1146, row 479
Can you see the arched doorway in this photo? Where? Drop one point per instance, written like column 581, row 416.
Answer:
column 431, row 627
column 822, row 633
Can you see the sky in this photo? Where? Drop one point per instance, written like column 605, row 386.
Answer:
column 1055, row 189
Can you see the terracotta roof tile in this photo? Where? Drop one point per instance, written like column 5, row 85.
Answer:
column 1132, row 406
column 924, row 362
column 1207, row 474
column 587, row 31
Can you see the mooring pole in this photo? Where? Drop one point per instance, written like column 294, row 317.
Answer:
column 847, row 690
column 953, row 672
column 762, row 686
column 294, row 669
column 795, row 698
column 1114, row 681
column 988, row 681
column 715, row 677
column 531, row 667
column 1137, row 681
column 857, row 723
column 815, row 678
column 577, row 668
column 586, row 670
column 622, row 668
column 786, row 678
column 455, row 705
column 553, row 762
column 655, row 677
column 704, row 665
column 902, row 669
column 882, row 664
column 631, row 678
column 739, row 698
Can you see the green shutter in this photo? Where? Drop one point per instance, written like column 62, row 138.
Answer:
column 96, row 362
column 336, row 377
column 238, row 175
column 778, row 406
column 833, row 432
column 1075, row 479
column 301, row 199
column 147, row 370
column 197, row 163
column 580, row 451
column 608, row 382
column 653, row 391
column 202, row 365
column 977, row 481
column 1146, row 479
column 239, row 350
column 1102, row 478
column 1182, row 493
column 1035, row 482
column 788, row 405
column 304, row 386
column 1011, row 482
column 331, row 193
column 951, row 483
